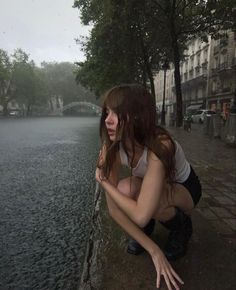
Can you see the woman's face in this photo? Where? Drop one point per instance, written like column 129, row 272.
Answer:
column 111, row 123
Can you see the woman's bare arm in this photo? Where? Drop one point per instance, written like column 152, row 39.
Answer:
column 130, row 227
column 119, row 216
column 162, row 266
column 141, row 210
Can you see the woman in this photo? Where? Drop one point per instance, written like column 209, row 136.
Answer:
column 162, row 185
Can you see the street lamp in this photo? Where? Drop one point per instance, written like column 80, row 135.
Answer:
column 165, row 67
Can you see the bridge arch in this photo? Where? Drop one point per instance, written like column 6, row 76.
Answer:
column 95, row 108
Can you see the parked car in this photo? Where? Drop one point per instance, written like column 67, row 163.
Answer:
column 14, row 113
column 200, row 115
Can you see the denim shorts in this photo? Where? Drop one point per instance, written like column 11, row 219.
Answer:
column 193, row 185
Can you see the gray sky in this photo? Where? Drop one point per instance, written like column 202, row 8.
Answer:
column 45, row 29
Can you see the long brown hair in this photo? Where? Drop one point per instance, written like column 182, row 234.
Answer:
column 136, row 113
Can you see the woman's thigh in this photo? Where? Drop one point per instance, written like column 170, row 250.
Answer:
column 130, row 186
column 175, row 196
column 182, row 198
column 172, row 196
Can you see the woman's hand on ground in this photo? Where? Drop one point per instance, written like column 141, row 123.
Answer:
column 163, row 268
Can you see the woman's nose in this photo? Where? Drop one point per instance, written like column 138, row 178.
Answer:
column 109, row 119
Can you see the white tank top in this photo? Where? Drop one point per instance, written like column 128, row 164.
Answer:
column 182, row 166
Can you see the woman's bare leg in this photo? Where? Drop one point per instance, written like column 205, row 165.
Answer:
column 175, row 202
column 131, row 187
column 172, row 198
column 173, row 212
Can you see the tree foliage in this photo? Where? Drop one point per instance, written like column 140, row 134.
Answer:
column 59, row 81
column 130, row 39
column 5, row 79
column 122, row 48
column 31, row 86
column 24, row 80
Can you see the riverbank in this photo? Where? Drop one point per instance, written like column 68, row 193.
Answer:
column 210, row 261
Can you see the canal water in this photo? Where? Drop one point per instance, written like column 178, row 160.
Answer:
column 46, row 200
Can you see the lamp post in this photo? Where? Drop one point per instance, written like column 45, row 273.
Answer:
column 165, row 67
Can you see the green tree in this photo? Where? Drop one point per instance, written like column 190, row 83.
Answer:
column 18, row 80
column 5, row 80
column 122, row 48
column 59, row 82
column 131, row 38
column 24, row 80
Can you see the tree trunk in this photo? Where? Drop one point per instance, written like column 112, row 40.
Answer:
column 144, row 77
column 178, row 91
column 29, row 110
column 147, row 67
column 145, row 57
column 176, row 56
column 149, row 72
column 5, row 109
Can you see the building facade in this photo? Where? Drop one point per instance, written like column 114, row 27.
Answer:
column 222, row 73
column 208, row 76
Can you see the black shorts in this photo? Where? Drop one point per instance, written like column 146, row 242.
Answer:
column 193, row 185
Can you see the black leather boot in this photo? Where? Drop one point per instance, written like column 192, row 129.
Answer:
column 134, row 247
column 180, row 227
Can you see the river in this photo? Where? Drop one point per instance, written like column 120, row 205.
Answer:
column 46, row 191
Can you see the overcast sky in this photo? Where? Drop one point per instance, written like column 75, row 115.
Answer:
column 45, row 29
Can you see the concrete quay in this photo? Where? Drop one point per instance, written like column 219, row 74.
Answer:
column 210, row 262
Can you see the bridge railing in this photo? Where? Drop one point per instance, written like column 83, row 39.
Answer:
column 89, row 105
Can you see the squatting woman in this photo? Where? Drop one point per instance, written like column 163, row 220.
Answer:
column 162, row 185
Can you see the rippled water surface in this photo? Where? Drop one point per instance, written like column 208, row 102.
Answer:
column 46, row 200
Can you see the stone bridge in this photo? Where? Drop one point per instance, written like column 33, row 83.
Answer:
column 84, row 106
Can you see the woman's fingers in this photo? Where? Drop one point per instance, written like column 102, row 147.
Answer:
column 172, row 280
column 167, row 281
column 158, row 280
column 163, row 268
column 176, row 276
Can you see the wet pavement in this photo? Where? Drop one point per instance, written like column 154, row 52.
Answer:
column 210, row 263
column 47, row 193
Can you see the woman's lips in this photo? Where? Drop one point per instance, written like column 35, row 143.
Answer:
column 111, row 132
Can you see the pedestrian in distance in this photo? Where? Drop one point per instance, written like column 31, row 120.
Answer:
column 162, row 185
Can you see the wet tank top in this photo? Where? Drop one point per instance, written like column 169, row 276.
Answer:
column 182, row 166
